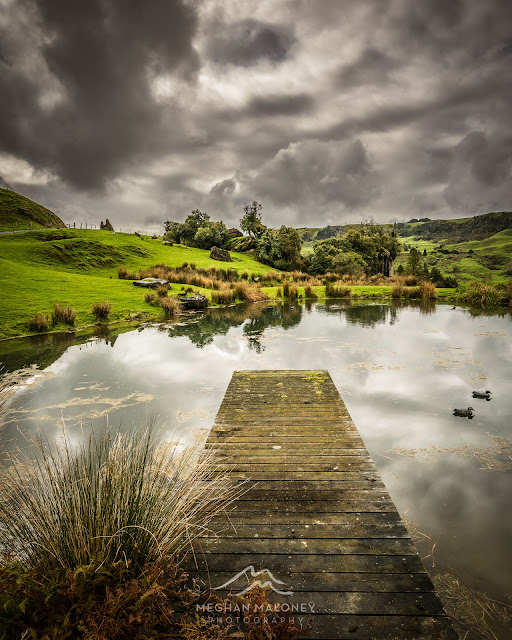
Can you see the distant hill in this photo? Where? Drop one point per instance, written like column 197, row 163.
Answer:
column 18, row 212
column 461, row 230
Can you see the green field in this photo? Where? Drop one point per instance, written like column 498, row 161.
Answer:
column 487, row 260
column 80, row 268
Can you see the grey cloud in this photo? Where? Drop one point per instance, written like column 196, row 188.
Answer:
column 372, row 67
column 246, row 42
column 103, row 55
column 278, row 105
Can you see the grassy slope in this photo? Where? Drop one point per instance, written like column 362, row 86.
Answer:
column 33, row 215
column 37, row 269
column 488, row 262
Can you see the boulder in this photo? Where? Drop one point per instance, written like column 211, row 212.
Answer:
column 220, row 254
column 196, row 301
column 151, row 283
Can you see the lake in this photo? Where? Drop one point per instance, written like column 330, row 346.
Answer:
column 400, row 370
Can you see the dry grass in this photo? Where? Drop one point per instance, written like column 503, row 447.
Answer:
column 101, row 310
column 171, row 307
column 67, row 315
column 118, row 497
column 40, row 322
column 428, row 291
column 331, row 291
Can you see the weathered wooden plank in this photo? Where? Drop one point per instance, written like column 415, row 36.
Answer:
column 314, row 511
column 328, row 547
column 327, row 581
column 284, row 566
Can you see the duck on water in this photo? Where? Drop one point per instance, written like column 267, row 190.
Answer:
column 464, row 413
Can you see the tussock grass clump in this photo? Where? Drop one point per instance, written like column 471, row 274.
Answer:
column 293, row 295
column 149, row 298
column 39, row 322
column 124, row 274
column 248, row 293
column 410, row 281
column 412, row 292
column 428, row 291
column 162, row 291
column 117, row 497
column 309, row 293
column 67, row 315
column 223, row 296
column 486, row 295
column 332, row 291
column 101, row 310
column 171, row 307
column 397, row 291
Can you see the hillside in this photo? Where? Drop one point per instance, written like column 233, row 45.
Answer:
column 79, row 268
column 460, row 230
column 18, row 212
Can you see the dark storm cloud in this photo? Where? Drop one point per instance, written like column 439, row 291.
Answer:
column 276, row 105
column 246, row 42
column 372, row 67
column 102, row 57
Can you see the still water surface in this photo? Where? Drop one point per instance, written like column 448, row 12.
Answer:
column 400, row 371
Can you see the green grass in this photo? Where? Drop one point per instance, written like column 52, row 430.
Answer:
column 487, row 263
column 33, row 215
column 79, row 268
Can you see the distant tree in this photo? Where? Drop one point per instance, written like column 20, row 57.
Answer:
column 211, row 234
column 173, row 231
column 400, row 269
column 424, row 253
column 250, row 222
column 414, row 265
column 280, row 248
column 193, row 221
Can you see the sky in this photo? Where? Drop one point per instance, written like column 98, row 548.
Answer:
column 324, row 111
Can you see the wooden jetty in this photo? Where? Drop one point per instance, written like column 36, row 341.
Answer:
column 316, row 514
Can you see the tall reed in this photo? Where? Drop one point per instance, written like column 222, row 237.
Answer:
column 116, row 497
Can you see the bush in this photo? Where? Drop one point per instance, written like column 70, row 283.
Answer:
column 171, row 307
column 101, row 310
column 67, row 315
column 40, row 322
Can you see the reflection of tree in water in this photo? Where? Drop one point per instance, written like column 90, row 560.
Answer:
column 282, row 315
column 201, row 331
column 370, row 315
column 367, row 315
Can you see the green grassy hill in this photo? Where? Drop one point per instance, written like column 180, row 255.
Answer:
column 460, row 230
column 79, row 268
column 18, row 212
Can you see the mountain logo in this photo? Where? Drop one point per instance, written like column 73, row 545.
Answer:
column 270, row 582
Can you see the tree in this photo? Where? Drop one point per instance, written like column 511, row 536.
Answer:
column 211, row 234
column 414, row 265
column 250, row 222
column 173, row 231
column 192, row 223
column 280, row 248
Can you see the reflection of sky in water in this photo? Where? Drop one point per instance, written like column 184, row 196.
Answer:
column 400, row 373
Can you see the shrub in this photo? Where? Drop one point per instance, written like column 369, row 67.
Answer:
column 39, row 322
column 170, row 306
column 101, row 310
column 67, row 315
